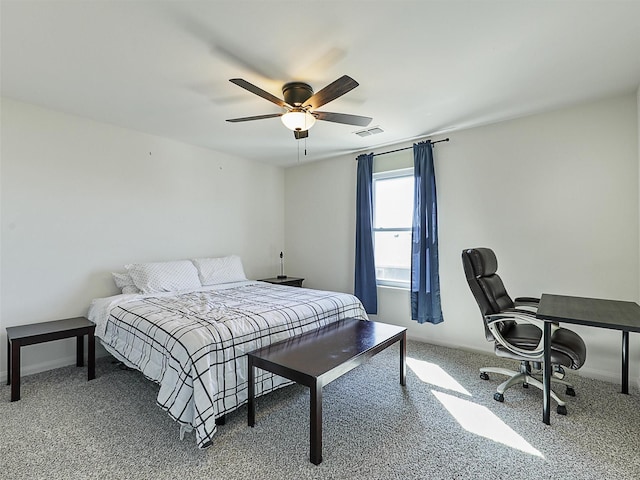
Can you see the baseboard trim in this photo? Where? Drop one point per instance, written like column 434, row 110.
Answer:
column 41, row 367
column 585, row 372
column 26, row 370
column 64, row 362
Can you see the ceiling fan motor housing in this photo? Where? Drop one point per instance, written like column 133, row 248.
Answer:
column 296, row 93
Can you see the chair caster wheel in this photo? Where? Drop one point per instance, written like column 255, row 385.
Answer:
column 571, row 392
column 558, row 372
column 498, row 397
column 484, row 375
column 562, row 410
column 525, row 385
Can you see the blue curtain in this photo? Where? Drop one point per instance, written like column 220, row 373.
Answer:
column 425, row 280
column 365, row 275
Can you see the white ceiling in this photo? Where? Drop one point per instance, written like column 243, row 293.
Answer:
column 424, row 67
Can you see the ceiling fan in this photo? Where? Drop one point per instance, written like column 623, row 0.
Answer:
column 300, row 103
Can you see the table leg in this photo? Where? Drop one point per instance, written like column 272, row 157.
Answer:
column 625, row 361
column 91, row 368
column 546, row 374
column 315, row 424
column 403, row 359
column 8, row 361
column 80, row 351
column 15, row 371
column 251, row 411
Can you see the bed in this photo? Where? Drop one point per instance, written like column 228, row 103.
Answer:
column 193, row 341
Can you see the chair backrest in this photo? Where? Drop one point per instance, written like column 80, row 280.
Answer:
column 480, row 266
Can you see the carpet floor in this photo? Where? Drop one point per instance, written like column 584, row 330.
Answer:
column 443, row 425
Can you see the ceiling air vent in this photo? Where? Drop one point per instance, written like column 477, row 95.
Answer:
column 369, row 131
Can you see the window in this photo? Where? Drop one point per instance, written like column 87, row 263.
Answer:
column 392, row 220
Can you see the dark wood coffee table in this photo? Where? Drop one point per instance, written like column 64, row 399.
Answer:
column 316, row 358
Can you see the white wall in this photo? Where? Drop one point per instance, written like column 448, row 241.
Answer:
column 81, row 198
column 555, row 195
column 320, row 223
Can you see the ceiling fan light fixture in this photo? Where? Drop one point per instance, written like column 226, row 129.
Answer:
column 298, row 120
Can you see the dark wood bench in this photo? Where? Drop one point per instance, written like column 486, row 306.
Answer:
column 34, row 333
column 316, row 358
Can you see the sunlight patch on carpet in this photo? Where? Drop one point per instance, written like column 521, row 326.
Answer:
column 435, row 375
column 481, row 421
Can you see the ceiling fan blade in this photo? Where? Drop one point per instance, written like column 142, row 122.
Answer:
column 343, row 118
column 258, row 91
column 332, row 91
column 298, row 134
column 257, row 117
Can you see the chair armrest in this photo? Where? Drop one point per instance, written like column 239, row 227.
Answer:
column 527, row 302
column 523, row 316
column 532, row 300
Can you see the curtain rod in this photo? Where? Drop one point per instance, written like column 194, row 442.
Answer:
column 407, row 148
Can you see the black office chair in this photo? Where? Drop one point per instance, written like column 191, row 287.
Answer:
column 515, row 330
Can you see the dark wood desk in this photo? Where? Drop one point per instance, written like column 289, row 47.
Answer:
column 592, row 312
column 318, row 357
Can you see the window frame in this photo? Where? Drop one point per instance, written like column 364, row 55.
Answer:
column 386, row 175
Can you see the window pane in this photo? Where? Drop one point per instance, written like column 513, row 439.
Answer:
column 393, row 202
column 393, row 256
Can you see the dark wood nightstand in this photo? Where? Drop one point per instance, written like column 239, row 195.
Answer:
column 22, row 335
column 291, row 281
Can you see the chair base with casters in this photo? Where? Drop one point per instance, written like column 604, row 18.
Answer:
column 526, row 378
column 511, row 325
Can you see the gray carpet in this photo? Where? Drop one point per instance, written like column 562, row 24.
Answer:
column 110, row 428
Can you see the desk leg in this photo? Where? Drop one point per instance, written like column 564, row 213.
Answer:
column 403, row 359
column 251, row 410
column 625, row 361
column 91, row 368
column 315, row 424
column 80, row 350
column 546, row 374
column 15, row 371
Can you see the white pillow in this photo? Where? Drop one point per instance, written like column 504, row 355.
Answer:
column 124, row 282
column 164, row 276
column 214, row 271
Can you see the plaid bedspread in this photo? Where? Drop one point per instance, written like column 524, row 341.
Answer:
column 194, row 344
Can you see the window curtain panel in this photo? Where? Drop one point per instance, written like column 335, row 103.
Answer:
column 425, row 280
column 365, row 274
